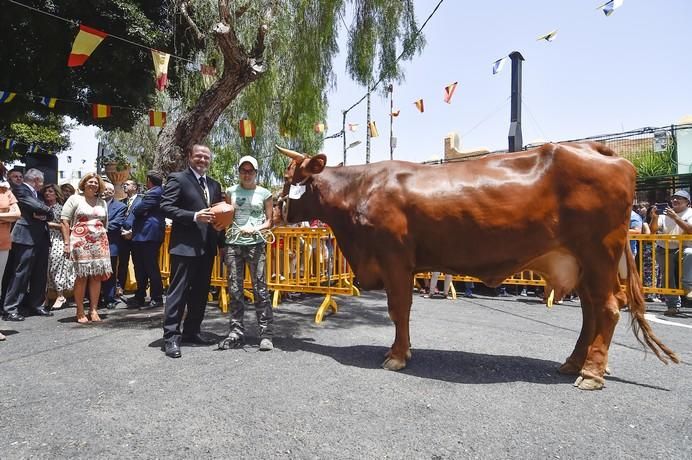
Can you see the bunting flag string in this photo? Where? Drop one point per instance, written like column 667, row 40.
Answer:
column 549, row 37
column 85, row 43
column 160, row 68
column 449, row 91
column 610, row 6
column 247, row 128
column 48, row 102
column 157, row 118
column 6, row 97
column 10, row 144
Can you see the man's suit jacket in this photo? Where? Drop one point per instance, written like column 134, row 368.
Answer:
column 28, row 230
column 182, row 197
column 146, row 218
column 116, row 219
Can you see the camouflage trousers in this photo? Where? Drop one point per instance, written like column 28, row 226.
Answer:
column 255, row 256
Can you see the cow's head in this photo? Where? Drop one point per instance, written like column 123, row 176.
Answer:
column 298, row 195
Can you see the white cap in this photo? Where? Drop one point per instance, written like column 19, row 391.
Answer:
column 248, row 159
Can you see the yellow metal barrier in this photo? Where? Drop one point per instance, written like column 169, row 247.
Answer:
column 669, row 242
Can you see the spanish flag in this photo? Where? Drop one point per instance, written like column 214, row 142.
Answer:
column 449, row 91
column 319, row 128
column 6, row 97
column 157, row 119
column 84, row 44
column 247, row 128
column 161, row 68
column 419, row 105
column 353, row 127
column 101, row 110
column 372, row 128
column 49, row 102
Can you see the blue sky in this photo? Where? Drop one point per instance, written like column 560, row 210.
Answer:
column 600, row 75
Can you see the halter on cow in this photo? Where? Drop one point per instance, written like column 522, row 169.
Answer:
column 394, row 218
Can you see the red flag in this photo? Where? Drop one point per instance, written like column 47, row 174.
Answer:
column 247, row 128
column 449, row 91
column 157, row 118
column 101, row 110
column 85, row 43
column 372, row 129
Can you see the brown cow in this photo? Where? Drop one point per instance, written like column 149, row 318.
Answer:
column 394, row 218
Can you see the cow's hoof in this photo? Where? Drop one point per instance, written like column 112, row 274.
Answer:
column 389, row 353
column 607, row 371
column 393, row 364
column 569, row 368
column 589, row 383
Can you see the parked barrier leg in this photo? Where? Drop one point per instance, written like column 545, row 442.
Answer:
column 327, row 303
column 276, row 299
column 223, row 300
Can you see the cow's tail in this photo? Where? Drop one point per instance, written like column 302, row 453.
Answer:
column 640, row 326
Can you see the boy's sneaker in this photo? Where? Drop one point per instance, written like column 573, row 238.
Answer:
column 672, row 311
column 266, row 345
column 234, row 340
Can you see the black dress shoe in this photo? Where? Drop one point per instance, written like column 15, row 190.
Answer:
column 13, row 317
column 155, row 304
column 41, row 311
column 172, row 348
column 134, row 302
column 197, row 339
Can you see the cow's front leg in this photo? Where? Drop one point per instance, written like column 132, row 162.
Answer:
column 399, row 305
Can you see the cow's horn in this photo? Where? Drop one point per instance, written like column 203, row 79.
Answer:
column 291, row 154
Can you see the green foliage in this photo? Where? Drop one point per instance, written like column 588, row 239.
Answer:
column 50, row 132
column 134, row 148
column 652, row 164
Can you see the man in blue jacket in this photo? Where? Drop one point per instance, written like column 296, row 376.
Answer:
column 116, row 218
column 148, row 225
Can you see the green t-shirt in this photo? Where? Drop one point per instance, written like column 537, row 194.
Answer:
column 249, row 209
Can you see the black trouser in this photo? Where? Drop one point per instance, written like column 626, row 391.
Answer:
column 145, row 256
column 123, row 262
column 30, row 273
column 108, row 286
column 189, row 286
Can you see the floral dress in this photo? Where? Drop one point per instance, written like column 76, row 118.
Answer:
column 88, row 236
column 60, row 270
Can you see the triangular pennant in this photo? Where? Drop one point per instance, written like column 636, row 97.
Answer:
column 353, row 127
column 396, row 113
column 6, row 96
column 48, row 102
column 499, row 64
column 157, row 118
column 101, row 110
column 247, row 128
column 84, row 44
column 9, row 144
column 208, row 75
column 33, row 148
column 449, row 91
column 609, row 7
column 549, row 37
column 161, row 68
column 319, row 128
column 372, row 129
column 420, row 106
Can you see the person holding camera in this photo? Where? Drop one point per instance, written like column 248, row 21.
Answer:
column 675, row 220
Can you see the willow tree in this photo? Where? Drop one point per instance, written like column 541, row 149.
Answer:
column 279, row 55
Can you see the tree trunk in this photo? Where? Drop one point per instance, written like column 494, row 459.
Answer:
column 239, row 70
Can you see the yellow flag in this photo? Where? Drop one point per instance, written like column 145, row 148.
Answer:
column 161, row 68
column 372, row 128
column 420, row 106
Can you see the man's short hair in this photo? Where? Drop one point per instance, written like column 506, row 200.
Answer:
column 155, row 177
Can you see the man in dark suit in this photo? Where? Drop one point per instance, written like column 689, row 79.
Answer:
column 194, row 243
column 116, row 218
column 131, row 188
column 148, row 225
column 30, row 245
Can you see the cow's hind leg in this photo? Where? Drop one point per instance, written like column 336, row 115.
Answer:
column 605, row 314
column 399, row 300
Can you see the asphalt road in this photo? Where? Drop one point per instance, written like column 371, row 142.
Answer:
column 482, row 384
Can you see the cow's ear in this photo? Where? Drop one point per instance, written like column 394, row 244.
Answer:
column 316, row 164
